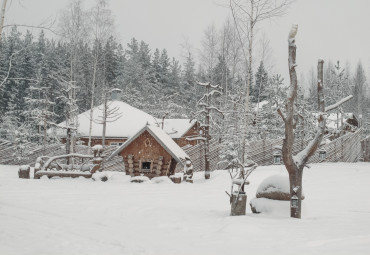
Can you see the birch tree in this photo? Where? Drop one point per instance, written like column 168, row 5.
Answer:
column 295, row 163
column 102, row 24
column 206, row 104
column 247, row 14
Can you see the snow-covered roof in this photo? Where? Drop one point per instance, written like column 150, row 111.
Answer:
column 162, row 138
column 130, row 122
column 260, row 105
column 177, row 128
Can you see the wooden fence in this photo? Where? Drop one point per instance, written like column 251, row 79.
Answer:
column 32, row 152
column 346, row 148
column 365, row 146
column 196, row 154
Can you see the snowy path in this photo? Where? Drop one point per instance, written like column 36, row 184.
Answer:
column 80, row 216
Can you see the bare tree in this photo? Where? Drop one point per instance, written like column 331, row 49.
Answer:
column 110, row 113
column 102, row 23
column 207, row 107
column 247, row 14
column 74, row 31
column 295, row 164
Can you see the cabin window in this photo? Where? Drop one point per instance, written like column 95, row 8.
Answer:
column 145, row 166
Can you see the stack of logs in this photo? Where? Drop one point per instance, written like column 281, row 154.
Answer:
column 157, row 167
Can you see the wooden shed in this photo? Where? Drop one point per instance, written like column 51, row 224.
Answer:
column 151, row 152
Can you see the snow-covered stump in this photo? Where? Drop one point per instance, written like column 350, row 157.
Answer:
column 238, row 203
column 24, row 172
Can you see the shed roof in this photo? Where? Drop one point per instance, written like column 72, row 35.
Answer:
column 177, row 128
column 162, row 138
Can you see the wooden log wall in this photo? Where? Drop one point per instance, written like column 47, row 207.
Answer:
column 158, row 167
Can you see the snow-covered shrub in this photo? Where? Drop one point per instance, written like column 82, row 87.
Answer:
column 100, row 176
column 275, row 187
column 140, row 179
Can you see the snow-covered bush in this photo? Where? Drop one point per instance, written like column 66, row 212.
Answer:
column 140, row 179
column 100, row 176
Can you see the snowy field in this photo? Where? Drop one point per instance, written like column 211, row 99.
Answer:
column 81, row 216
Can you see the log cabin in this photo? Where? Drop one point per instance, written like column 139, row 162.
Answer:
column 151, row 152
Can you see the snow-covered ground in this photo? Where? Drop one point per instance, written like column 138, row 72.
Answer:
column 82, row 216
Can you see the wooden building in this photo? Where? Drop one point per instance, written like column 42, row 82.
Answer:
column 151, row 152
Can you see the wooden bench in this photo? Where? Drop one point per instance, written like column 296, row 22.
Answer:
column 71, row 165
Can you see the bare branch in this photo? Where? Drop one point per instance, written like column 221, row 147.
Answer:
column 10, row 67
column 337, row 104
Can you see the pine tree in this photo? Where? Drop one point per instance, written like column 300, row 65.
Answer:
column 261, row 81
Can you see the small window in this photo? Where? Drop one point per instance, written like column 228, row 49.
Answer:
column 120, row 144
column 114, row 144
column 146, row 166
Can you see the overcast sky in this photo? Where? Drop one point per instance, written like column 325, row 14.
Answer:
column 328, row 29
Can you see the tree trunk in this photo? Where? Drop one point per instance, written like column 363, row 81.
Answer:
column 207, row 173
column 104, row 118
column 295, row 180
column 92, row 100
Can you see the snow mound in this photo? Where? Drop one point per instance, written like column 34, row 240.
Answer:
column 161, row 180
column 275, row 187
column 269, row 206
column 120, row 177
